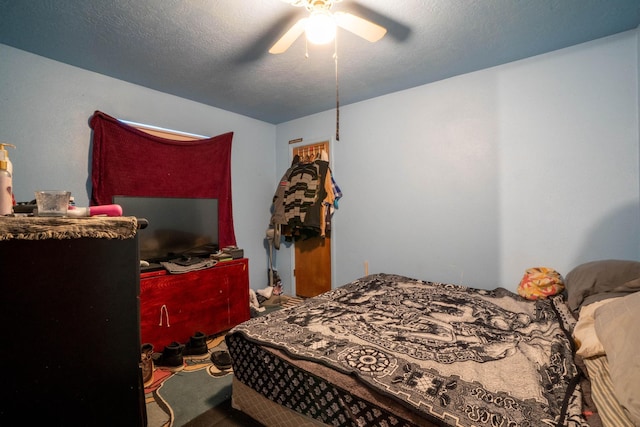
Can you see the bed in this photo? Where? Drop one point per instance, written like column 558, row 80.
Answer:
column 605, row 299
column 389, row 350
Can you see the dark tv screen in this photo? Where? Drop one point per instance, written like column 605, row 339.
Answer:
column 177, row 226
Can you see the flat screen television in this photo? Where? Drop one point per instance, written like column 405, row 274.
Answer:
column 177, row 226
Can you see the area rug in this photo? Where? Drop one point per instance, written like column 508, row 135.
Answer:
column 175, row 399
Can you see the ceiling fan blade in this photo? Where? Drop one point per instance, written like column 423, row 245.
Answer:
column 289, row 37
column 359, row 26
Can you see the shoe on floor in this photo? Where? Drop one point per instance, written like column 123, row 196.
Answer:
column 221, row 359
column 170, row 358
column 146, row 362
column 196, row 346
column 266, row 292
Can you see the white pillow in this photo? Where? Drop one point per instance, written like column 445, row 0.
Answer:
column 584, row 332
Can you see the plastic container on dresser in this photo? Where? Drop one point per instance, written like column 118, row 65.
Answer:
column 175, row 306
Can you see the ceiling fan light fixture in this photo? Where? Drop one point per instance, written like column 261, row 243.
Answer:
column 320, row 28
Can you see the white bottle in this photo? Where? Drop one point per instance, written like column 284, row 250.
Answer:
column 6, row 181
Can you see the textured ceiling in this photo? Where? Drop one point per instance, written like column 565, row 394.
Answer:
column 215, row 51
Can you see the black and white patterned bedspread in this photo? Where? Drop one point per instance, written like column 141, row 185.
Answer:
column 463, row 356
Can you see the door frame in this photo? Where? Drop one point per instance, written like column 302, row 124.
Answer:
column 301, row 143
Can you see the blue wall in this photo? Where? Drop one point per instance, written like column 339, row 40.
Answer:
column 476, row 178
column 45, row 107
column 468, row 180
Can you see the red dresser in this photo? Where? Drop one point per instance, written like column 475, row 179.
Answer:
column 175, row 306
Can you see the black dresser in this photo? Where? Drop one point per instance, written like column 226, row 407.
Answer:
column 70, row 322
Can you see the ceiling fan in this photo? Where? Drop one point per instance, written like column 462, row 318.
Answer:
column 320, row 25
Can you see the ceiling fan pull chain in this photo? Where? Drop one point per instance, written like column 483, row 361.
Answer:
column 335, row 57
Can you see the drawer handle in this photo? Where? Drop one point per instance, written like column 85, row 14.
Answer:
column 166, row 311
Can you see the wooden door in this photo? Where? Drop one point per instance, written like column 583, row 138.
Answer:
column 312, row 267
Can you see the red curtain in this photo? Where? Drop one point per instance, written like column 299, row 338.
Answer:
column 130, row 162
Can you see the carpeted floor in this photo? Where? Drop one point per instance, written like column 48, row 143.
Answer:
column 175, row 399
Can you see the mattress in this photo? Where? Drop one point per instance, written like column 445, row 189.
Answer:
column 391, row 350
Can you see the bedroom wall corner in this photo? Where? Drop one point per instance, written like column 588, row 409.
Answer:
column 476, row 178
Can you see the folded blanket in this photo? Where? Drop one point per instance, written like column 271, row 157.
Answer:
column 175, row 268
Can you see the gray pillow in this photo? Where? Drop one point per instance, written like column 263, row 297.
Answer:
column 597, row 280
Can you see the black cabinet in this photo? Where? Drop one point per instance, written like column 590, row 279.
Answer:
column 70, row 325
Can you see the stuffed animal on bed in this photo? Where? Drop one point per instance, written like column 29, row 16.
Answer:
column 540, row 283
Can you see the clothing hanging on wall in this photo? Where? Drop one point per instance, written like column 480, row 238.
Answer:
column 305, row 198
